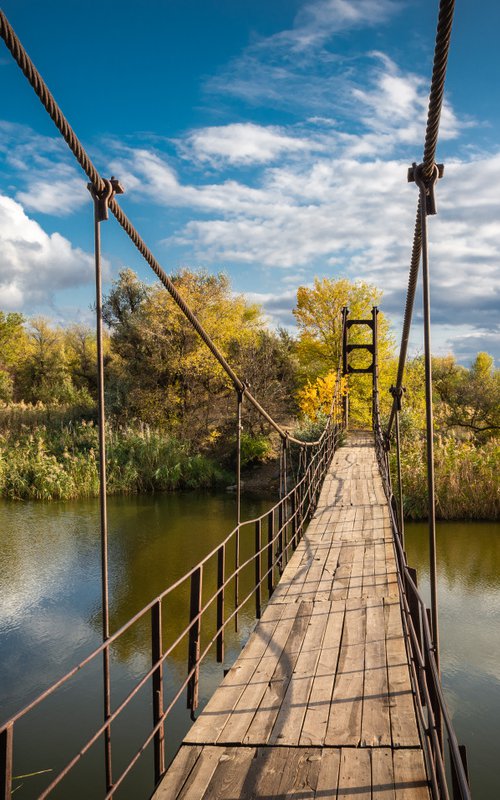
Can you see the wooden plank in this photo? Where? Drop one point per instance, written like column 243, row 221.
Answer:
column 274, row 683
column 328, row 778
column 382, row 774
column 404, row 730
column 231, row 775
column 201, row 774
column 376, row 726
column 278, row 653
column 355, row 779
column 409, row 775
column 288, row 724
column 177, row 773
column 300, row 774
column 344, row 723
column 318, row 707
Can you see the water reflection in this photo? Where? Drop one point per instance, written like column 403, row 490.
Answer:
column 50, row 619
column 468, row 556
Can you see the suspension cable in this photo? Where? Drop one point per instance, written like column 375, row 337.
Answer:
column 442, row 46
column 48, row 101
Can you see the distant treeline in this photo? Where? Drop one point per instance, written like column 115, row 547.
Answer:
column 171, row 408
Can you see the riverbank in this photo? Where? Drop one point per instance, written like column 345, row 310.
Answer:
column 59, row 461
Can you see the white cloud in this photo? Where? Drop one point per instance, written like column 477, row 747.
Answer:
column 34, row 264
column 317, row 21
column 50, row 181
column 244, row 143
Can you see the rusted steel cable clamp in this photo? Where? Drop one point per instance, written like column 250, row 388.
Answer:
column 417, row 174
column 103, row 197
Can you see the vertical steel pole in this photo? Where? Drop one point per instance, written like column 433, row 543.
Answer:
column 258, row 568
column 98, row 217
column 400, row 480
column 429, row 423
column 6, row 756
column 156, row 654
column 270, row 555
column 238, row 508
column 221, row 564
column 194, row 639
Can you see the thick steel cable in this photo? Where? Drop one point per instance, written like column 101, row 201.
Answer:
column 48, row 101
column 441, row 51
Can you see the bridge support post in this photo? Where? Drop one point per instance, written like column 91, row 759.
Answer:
column 221, row 569
column 258, row 569
column 157, row 679
column 270, row 557
column 6, row 751
column 101, row 200
column 194, row 641
column 238, row 507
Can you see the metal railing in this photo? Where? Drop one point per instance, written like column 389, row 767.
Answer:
column 276, row 535
column 432, row 714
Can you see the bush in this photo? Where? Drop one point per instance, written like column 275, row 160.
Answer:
column 61, row 462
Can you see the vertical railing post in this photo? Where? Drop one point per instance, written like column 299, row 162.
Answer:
column 156, row 654
column 270, row 556
column 399, row 471
column 280, row 538
column 258, row 570
column 194, row 640
column 294, row 518
column 221, row 569
column 6, row 756
column 238, row 508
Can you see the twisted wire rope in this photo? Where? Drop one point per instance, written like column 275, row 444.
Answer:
column 436, row 94
column 48, row 101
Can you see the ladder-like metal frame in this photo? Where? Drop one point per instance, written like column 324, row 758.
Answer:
column 372, row 348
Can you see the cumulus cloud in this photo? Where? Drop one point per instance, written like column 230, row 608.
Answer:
column 244, row 143
column 34, row 264
column 46, row 177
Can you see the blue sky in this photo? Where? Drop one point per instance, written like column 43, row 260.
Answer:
column 269, row 139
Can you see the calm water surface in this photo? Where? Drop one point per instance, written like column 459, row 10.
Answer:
column 50, row 619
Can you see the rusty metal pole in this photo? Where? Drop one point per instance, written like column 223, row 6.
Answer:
column 400, row 479
column 101, row 200
column 238, row 507
column 429, row 421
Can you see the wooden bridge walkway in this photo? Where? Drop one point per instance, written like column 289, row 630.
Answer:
column 319, row 704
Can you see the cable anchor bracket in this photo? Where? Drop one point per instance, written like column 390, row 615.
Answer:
column 102, row 197
column 397, row 394
column 416, row 174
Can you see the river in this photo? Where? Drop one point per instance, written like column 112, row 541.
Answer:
column 50, row 619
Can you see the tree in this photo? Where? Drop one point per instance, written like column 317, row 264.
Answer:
column 319, row 319
column 470, row 398
column 167, row 373
column 44, row 375
column 13, row 347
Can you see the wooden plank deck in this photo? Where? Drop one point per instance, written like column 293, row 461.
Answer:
column 319, row 704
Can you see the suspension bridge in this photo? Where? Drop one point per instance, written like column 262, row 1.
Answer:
column 337, row 692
